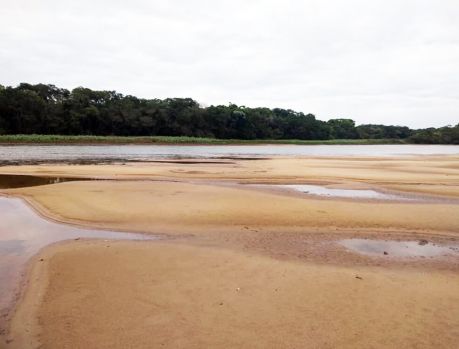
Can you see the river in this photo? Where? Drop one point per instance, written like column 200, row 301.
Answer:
column 42, row 153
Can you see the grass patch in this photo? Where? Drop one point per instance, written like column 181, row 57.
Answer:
column 60, row 139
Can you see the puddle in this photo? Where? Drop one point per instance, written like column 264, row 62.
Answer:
column 343, row 193
column 8, row 181
column 23, row 233
column 407, row 249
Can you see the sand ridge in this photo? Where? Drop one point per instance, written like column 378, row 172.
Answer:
column 152, row 206
column 425, row 174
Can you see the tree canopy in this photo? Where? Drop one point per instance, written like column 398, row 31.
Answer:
column 47, row 109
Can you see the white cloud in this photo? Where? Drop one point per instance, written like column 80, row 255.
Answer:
column 393, row 62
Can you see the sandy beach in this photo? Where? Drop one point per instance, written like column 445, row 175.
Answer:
column 242, row 265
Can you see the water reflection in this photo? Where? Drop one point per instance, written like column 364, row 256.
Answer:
column 11, row 247
column 22, row 181
column 388, row 248
column 343, row 193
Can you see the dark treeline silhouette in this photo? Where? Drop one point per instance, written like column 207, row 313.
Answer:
column 47, row 109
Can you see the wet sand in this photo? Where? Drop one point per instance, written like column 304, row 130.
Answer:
column 132, row 295
column 247, row 267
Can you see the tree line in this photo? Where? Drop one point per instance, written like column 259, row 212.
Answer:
column 47, row 109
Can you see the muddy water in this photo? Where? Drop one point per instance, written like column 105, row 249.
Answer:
column 22, row 181
column 22, row 234
column 400, row 249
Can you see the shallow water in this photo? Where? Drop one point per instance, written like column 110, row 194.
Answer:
column 22, row 181
column 343, row 193
column 23, row 233
column 403, row 249
column 22, row 153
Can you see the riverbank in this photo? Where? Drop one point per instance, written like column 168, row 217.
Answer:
column 243, row 266
column 61, row 139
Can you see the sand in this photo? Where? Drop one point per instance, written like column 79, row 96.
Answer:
column 131, row 295
column 236, row 268
column 424, row 174
column 178, row 207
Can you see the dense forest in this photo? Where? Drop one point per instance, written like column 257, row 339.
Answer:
column 47, row 109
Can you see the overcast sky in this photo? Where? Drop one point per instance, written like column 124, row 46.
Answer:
column 388, row 61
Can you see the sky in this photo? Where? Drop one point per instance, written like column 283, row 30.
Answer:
column 389, row 61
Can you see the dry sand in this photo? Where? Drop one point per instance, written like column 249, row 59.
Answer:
column 203, row 289
column 177, row 207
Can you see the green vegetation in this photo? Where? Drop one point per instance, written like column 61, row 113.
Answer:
column 86, row 116
column 59, row 139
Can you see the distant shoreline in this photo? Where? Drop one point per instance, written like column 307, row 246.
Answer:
column 170, row 140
